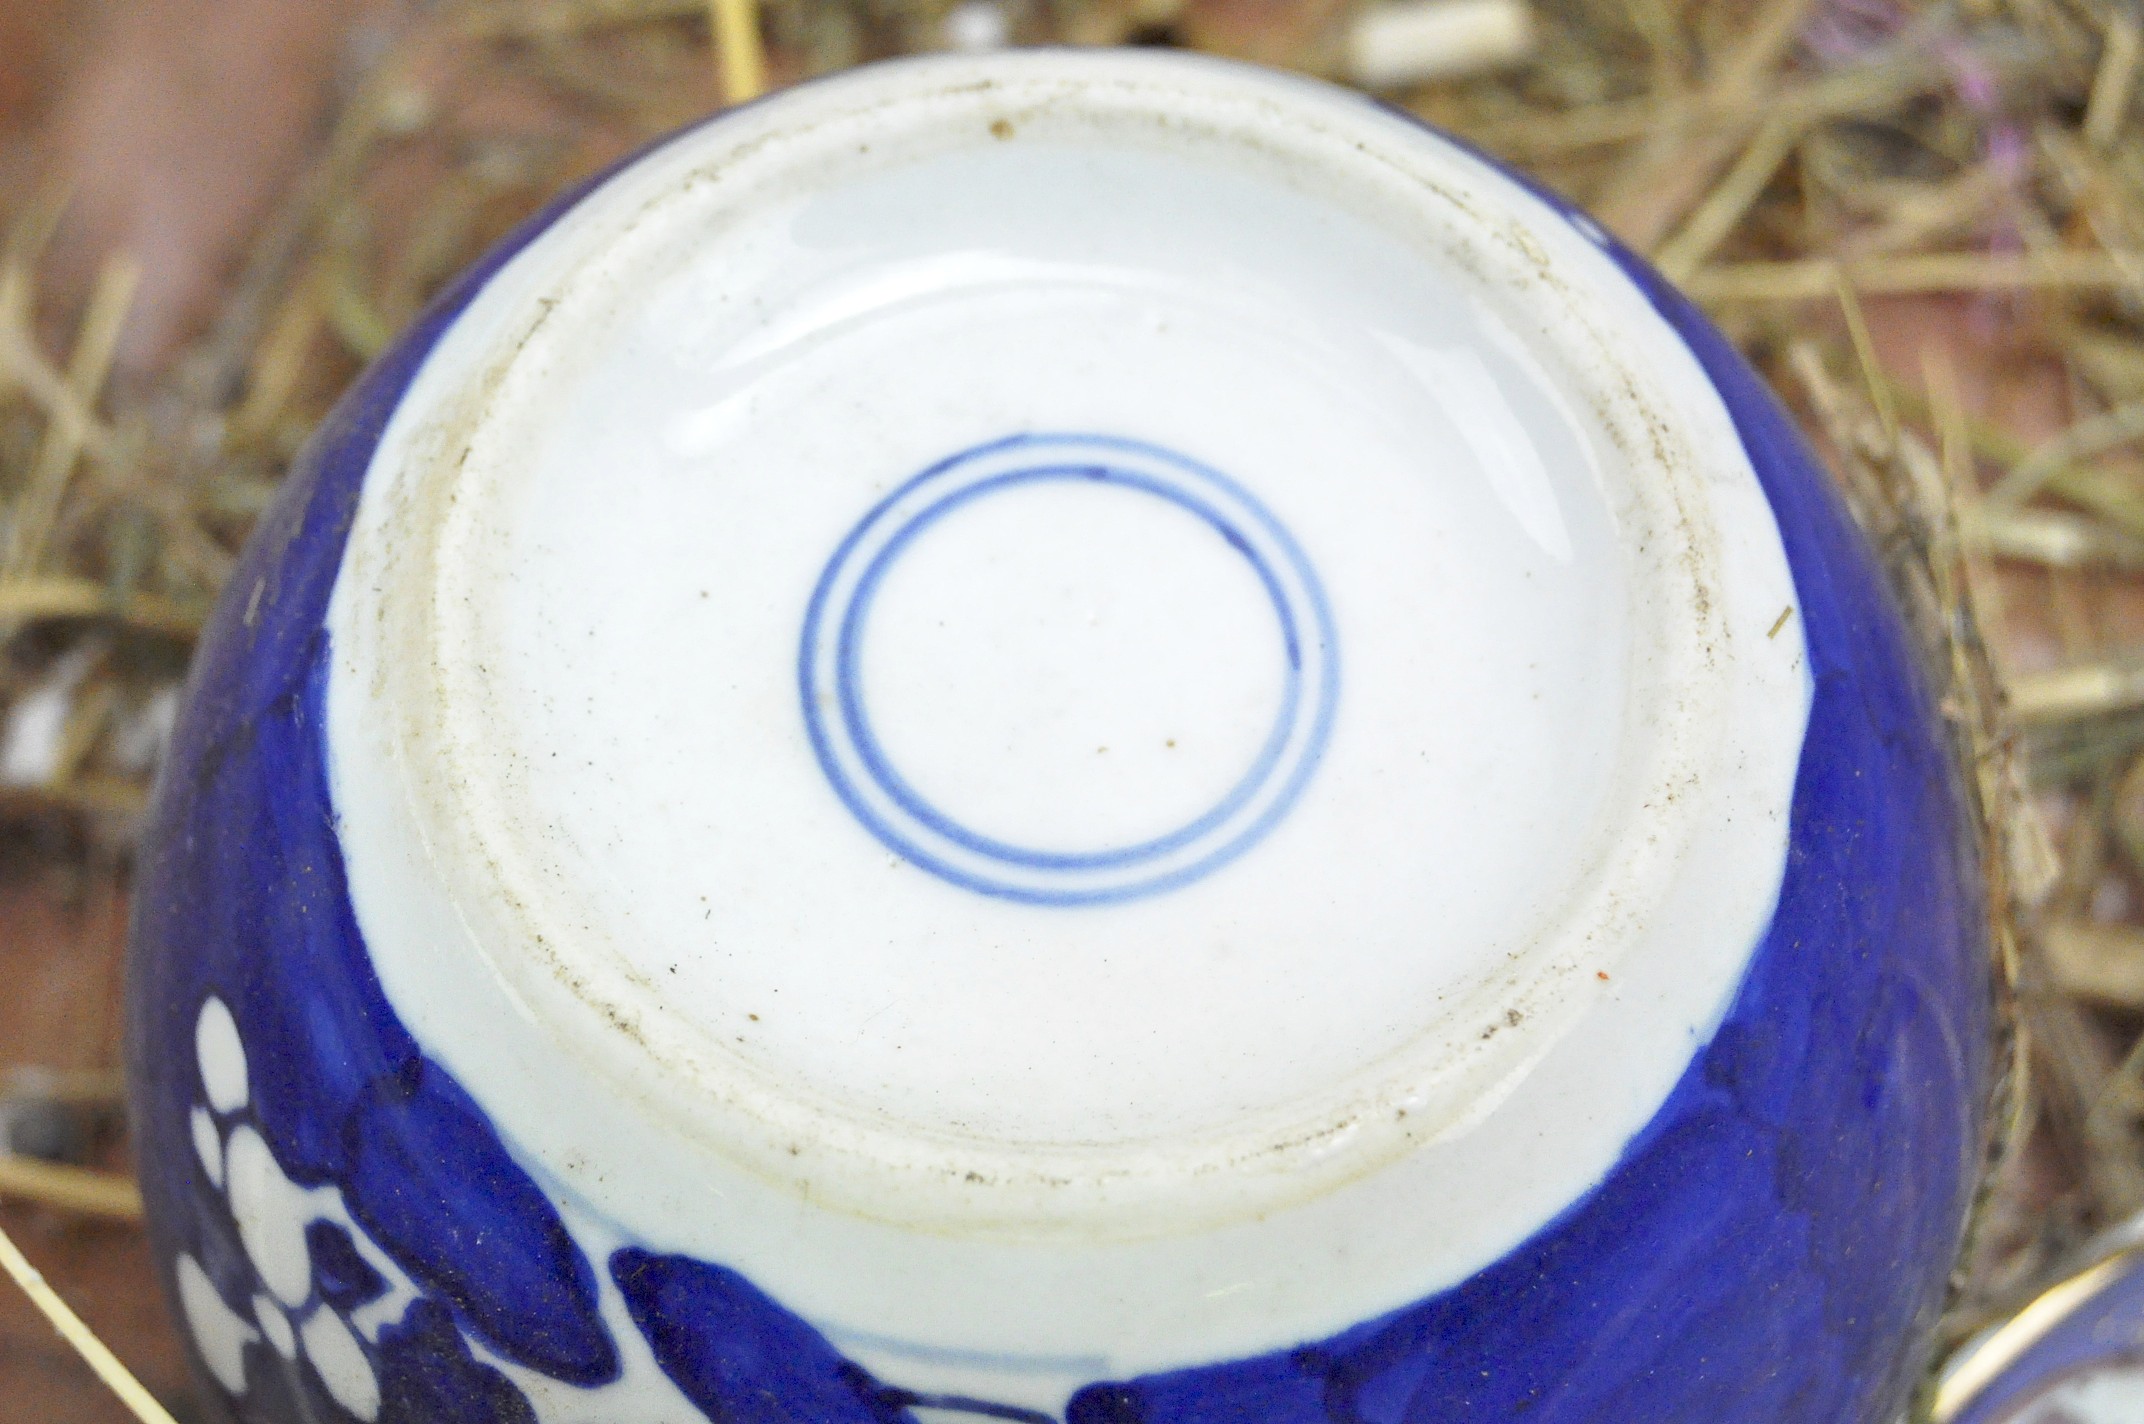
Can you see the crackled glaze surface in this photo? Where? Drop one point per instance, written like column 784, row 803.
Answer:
column 1287, row 798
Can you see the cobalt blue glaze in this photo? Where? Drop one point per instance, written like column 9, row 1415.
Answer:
column 1769, row 1248
column 428, row 1375
column 347, row 1280
column 726, row 1343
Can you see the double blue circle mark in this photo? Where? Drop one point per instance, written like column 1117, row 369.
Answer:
column 838, row 722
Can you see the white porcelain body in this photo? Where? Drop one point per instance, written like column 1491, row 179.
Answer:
column 1081, row 716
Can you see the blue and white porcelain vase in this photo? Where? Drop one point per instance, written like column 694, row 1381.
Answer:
column 2073, row 1355
column 1082, row 737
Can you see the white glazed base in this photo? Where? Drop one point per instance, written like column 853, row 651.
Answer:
column 1000, row 1125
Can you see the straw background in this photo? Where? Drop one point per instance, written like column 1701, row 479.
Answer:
column 1924, row 222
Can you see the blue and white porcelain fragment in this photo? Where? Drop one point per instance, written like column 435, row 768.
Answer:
column 1061, row 736
column 2073, row 1355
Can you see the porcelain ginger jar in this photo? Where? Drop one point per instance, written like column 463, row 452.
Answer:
column 1085, row 737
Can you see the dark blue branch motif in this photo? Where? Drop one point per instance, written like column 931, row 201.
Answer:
column 345, row 1278
column 430, row 1377
column 739, row 1357
column 428, row 1179
column 743, row 1360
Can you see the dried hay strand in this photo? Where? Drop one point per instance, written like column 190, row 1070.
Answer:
column 114, row 1375
column 1923, row 222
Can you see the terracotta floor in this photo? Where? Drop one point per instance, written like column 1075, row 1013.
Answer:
column 60, row 957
